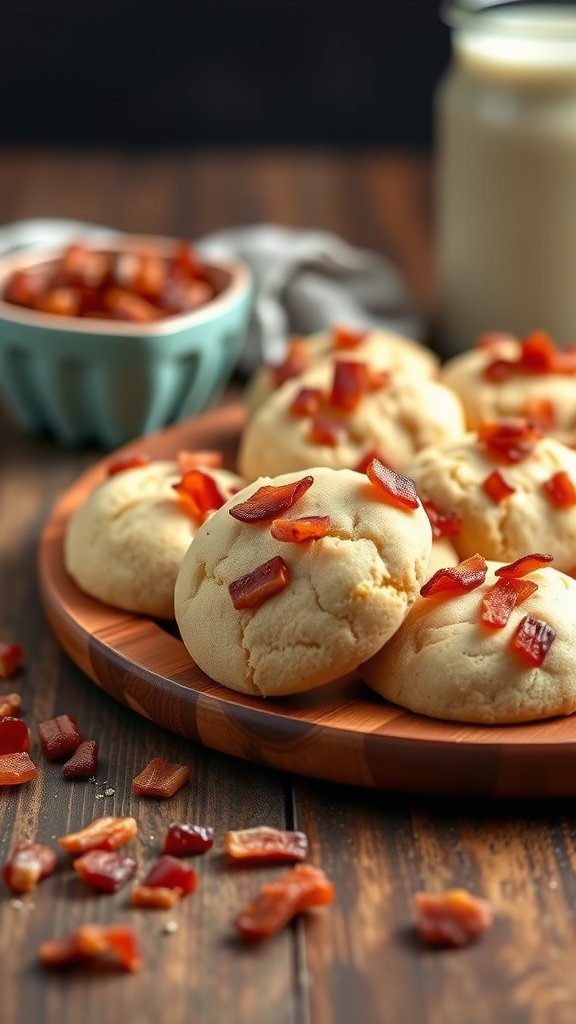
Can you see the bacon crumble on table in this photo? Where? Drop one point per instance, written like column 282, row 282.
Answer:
column 90, row 941
column 28, row 864
column 453, row 918
column 105, row 869
column 262, row 844
column 160, row 778
column 59, row 736
column 298, row 889
column 11, row 658
column 106, row 833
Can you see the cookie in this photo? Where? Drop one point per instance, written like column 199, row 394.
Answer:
column 124, row 545
column 383, row 349
column 319, row 419
column 342, row 594
column 445, row 662
column 502, row 379
column 505, row 508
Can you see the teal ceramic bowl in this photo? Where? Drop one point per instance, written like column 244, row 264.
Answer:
column 104, row 381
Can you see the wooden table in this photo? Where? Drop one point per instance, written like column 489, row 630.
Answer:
column 358, row 960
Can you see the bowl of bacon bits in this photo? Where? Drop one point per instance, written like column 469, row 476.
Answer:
column 105, row 342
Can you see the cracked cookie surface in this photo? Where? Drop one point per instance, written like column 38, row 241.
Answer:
column 347, row 592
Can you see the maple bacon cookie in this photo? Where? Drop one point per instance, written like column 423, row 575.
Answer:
column 301, row 577
column 489, row 643
column 124, row 545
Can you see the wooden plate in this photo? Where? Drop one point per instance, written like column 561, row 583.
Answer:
column 342, row 732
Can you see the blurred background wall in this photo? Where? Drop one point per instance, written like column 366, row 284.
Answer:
column 220, row 72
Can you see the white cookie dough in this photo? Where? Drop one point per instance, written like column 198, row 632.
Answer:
column 124, row 545
column 452, row 476
column 398, row 419
column 445, row 663
column 348, row 592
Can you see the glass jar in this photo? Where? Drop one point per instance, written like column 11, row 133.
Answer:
column 506, row 172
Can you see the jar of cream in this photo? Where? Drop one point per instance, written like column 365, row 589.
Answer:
column 505, row 121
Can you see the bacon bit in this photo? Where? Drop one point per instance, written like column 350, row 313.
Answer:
column 453, row 918
column 199, row 493
column 374, row 453
column 83, row 763
column 344, row 338
column 349, row 384
column 28, row 864
column 90, row 941
column 182, row 839
column 132, row 460
column 106, row 833
column 497, row 487
column 11, row 657
column 10, row 705
column 444, row 524
column 540, row 411
column 560, row 490
column 326, row 430
column 14, row 736
column 299, row 530
column 16, row 768
column 59, row 736
column 260, row 585
column 522, row 566
column 499, row 370
column 499, row 602
column 532, row 640
column 457, row 579
column 268, row 501
column 278, row 902
column 160, row 778
column 207, row 457
column 297, row 361
column 171, row 873
column 511, row 440
column 125, row 305
column 538, row 355
column 105, row 870
column 400, row 488
column 307, row 402
column 155, row 897
column 263, row 845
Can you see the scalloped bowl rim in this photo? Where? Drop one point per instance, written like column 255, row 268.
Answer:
column 240, row 280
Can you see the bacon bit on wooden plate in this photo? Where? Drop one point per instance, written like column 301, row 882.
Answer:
column 299, row 530
column 132, row 460
column 16, row 769
column 401, row 489
column 307, row 402
column 11, row 657
column 59, row 736
column 326, row 430
column 160, row 778
column 453, row 918
column 199, row 493
column 444, row 524
column 104, row 869
column 83, row 763
column 107, row 833
column 344, row 338
column 264, row 582
column 511, row 440
column 458, row 579
column 522, row 566
column 532, row 640
column 349, row 384
column 90, row 941
column 10, row 705
column 14, row 736
column 155, row 897
column 298, row 889
column 497, row 487
column 209, row 458
column 182, row 839
column 297, row 361
column 560, row 490
column 171, row 873
column 27, row 865
column 506, row 594
column 263, row 845
column 269, row 501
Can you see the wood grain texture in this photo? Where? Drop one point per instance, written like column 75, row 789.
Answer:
column 341, row 732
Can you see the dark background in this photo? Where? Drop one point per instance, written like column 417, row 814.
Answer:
column 220, row 72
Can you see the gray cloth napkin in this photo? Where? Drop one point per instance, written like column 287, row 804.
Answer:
column 304, row 280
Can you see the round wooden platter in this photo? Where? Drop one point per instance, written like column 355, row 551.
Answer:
column 341, row 732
